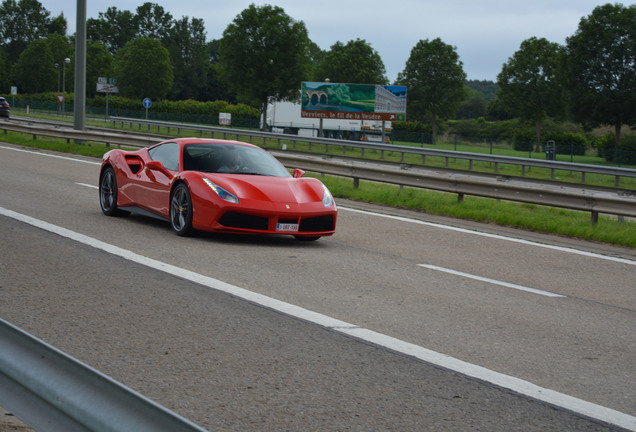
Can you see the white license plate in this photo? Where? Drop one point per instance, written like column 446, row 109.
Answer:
column 287, row 227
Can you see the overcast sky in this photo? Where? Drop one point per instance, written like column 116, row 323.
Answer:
column 486, row 33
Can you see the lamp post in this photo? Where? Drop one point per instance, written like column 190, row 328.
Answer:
column 57, row 66
column 66, row 61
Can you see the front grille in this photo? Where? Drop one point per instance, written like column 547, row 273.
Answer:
column 320, row 223
column 242, row 220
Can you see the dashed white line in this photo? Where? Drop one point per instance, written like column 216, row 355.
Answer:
column 517, row 385
column 494, row 236
column 492, row 281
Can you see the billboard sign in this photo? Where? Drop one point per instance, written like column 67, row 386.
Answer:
column 107, row 85
column 225, row 119
column 353, row 101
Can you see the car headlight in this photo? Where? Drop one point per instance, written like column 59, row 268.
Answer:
column 222, row 193
column 327, row 198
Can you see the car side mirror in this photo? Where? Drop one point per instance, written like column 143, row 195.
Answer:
column 298, row 173
column 158, row 166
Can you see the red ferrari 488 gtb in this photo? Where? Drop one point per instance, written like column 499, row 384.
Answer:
column 218, row 186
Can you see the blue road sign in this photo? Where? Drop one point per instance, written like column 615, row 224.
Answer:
column 147, row 103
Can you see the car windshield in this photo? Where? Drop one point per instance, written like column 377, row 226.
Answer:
column 231, row 159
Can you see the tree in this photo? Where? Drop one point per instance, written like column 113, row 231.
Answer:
column 113, row 28
column 474, row 106
column 99, row 63
column 35, row 69
column 22, row 23
column 143, row 69
column 61, row 49
column 152, row 21
column 528, row 82
column 5, row 76
column 264, row 54
column 435, row 78
column 355, row 62
column 599, row 68
column 189, row 56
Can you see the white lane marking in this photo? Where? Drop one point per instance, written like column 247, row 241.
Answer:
column 88, row 185
column 579, row 406
column 405, row 219
column 51, row 155
column 492, row 281
column 494, row 236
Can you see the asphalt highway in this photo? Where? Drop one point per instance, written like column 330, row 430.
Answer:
column 400, row 321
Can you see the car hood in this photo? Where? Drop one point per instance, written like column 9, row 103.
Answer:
column 272, row 189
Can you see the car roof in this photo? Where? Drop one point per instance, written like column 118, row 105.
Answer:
column 197, row 141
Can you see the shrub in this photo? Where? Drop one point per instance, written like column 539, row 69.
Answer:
column 568, row 143
column 624, row 155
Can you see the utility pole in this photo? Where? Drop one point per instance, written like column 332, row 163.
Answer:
column 80, row 67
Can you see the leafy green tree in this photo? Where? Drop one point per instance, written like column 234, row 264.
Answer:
column 189, row 55
column 599, row 68
column 215, row 87
column 35, row 69
column 528, row 82
column 23, row 22
column 59, row 25
column 5, row 76
column 61, row 49
column 474, row 106
column 143, row 69
column 113, row 28
column 495, row 110
column 152, row 21
column 99, row 63
column 487, row 88
column 435, row 78
column 315, row 57
column 264, row 54
column 355, row 62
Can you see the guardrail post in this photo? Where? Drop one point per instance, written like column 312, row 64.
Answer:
column 356, row 182
column 594, row 218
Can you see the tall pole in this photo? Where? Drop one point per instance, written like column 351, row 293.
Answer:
column 66, row 60
column 80, row 67
column 57, row 66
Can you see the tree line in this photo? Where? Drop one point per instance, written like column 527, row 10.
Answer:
column 264, row 55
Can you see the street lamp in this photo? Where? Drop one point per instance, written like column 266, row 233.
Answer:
column 66, row 61
column 57, row 66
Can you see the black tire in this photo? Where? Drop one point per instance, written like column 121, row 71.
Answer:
column 181, row 210
column 108, row 193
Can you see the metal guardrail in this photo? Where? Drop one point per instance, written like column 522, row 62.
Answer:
column 594, row 200
column 52, row 391
column 524, row 163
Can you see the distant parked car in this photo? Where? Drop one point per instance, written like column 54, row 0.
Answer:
column 5, row 109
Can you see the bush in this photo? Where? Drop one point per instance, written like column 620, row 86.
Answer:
column 416, row 132
column 523, row 140
column 624, row 155
column 567, row 143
